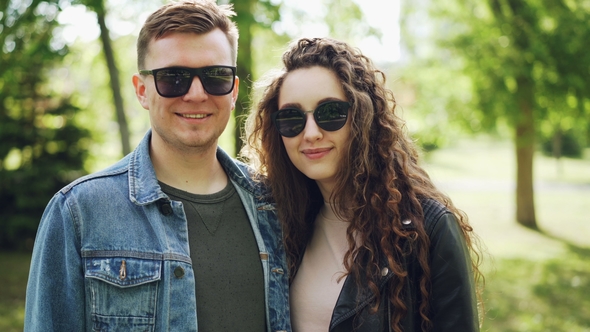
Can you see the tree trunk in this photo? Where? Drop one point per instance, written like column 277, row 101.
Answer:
column 114, row 81
column 557, row 143
column 245, row 19
column 525, row 148
column 557, row 149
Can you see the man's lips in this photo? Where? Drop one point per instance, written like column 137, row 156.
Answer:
column 194, row 116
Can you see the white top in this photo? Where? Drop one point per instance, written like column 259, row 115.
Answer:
column 319, row 279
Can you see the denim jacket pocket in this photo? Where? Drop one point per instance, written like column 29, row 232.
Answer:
column 122, row 293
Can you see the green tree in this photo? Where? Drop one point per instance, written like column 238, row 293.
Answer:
column 41, row 146
column 527, row 68
column 250, row 16
column 261, row 43
column 98, row 6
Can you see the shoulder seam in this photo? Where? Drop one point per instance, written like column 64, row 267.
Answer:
column 94, row 176
column 433, row 211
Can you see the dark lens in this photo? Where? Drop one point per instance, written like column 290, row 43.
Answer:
column 173, row 82
column 332, row 115
column 289, row 122
column 218, row 80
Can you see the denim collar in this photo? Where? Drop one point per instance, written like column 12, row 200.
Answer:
column 143, row 184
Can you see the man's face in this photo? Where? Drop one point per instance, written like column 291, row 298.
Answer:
column 194, row 121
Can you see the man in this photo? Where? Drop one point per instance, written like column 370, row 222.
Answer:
column 176, row 236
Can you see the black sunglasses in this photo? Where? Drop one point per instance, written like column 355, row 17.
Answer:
column 329, row 116
column 176, row 81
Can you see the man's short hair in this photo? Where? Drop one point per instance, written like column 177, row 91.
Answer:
column 198, row 16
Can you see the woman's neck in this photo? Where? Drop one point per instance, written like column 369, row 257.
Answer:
column 326, row 189
column 328, row 213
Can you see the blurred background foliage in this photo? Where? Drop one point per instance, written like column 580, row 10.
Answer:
column 42, row 146
column 514, row 70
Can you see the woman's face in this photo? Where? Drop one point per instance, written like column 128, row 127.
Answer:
column 315, row 152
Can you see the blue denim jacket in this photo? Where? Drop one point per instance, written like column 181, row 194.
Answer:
column 112, row 254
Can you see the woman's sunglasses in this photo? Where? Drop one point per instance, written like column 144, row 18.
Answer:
column 329, row 116
column 176, row 81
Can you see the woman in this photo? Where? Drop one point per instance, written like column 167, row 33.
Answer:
column 372, row 244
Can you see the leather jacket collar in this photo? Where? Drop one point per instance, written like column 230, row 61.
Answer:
column 453, row 303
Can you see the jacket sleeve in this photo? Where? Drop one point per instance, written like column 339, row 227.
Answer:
column 453, row 301
column 55, row 289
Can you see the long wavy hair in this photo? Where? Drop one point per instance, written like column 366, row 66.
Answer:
column 379, row 183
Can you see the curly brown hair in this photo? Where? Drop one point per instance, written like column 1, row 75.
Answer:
column 379, row 183
column 197, row 16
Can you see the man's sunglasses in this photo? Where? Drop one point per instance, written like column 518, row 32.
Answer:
column 176, row 81
column 329, row 116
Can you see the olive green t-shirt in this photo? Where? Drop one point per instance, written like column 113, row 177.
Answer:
column 226, row 260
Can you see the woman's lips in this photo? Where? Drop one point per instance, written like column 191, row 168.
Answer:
column 316, row 153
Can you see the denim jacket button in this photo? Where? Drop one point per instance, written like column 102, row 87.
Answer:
column 166, row 209
column 179, row 272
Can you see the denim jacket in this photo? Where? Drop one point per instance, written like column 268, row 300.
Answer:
column 112, row 253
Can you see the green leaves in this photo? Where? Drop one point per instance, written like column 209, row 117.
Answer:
column 41, row 146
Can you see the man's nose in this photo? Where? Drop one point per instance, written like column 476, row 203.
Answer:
column 196, row 90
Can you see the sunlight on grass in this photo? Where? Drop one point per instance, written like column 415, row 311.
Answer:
column 478, row 175
column 535, row 282
column 523, row 295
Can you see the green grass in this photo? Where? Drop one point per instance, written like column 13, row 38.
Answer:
column 535, row 296
column 535, row 281
column 479, row 176
column 13, row 283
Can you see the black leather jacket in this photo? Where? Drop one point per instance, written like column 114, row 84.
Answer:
column 453, row 306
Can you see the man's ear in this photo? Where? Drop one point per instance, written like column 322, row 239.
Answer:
column 139, row 84
column 234, row 92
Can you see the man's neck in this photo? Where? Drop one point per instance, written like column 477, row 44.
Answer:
column 196, row 171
